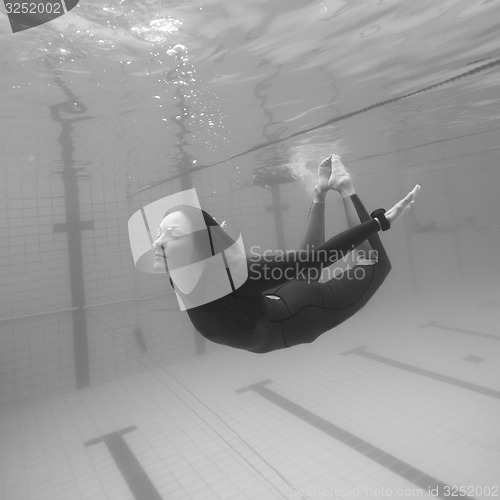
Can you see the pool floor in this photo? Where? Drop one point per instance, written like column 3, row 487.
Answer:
column 401, row 401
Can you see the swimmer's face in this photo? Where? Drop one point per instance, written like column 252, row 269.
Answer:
column 173, row 242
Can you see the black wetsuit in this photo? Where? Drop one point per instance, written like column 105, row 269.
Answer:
column 279, row 306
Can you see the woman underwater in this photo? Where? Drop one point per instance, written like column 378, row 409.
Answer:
column 281, row 303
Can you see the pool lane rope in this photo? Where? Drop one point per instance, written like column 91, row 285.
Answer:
column 471, row 72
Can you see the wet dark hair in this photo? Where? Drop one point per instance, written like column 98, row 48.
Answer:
column 219, row 240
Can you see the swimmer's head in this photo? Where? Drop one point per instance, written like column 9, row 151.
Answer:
column 187, row 235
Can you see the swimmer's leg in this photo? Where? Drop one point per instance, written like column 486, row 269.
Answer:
column 314, row 308
column 314, row 233
column 266, row 272
column 341, row 181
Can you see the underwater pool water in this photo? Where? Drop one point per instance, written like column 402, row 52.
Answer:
column 106, row 390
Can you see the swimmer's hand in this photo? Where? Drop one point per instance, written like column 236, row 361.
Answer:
column 223, row 224
column 402, row 206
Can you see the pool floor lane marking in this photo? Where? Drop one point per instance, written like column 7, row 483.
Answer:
column 463, row 384
column 436, row 324
column 394, row 464
column 132, row 471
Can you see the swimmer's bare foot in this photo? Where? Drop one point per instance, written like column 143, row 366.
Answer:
column 340, row 179
column 402, row 206
column 324, row 172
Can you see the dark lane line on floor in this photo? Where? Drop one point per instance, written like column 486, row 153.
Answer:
column 436, row 324
column 361, row 351
column 416, row 476
column 132, row 471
